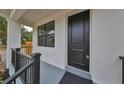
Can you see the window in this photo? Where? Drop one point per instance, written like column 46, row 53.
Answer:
column 46, row 34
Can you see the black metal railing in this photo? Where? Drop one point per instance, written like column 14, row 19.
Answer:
column 27, row 50
column 27, row 68
column 13, row 56
column 122, row 58
column 12, row 79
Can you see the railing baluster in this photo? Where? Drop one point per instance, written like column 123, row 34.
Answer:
column 15, row 81
column 25, row 77
column 27, row 68
column 31, row 74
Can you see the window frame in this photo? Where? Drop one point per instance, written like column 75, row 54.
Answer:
column 43, row 39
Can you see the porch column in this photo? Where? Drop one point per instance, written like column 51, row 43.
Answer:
column 13, row 38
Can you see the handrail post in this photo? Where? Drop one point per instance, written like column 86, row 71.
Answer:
column 122, row 58
column 13, row 56
column 36, row 60
column 17, row 58
column 18, row 49
column 123, row 71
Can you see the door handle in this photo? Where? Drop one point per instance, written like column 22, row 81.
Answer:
column 87, row 56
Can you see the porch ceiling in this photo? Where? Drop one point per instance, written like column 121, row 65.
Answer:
column 33, row 15
column 5, row 12
column 26, row 16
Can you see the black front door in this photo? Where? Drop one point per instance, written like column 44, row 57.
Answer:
column 78, row 40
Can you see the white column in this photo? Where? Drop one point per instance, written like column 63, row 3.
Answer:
column 13, row 38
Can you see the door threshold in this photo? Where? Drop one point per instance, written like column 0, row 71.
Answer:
column 78, row 72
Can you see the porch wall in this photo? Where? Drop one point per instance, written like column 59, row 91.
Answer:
column 57, row 55
column 107, row 43
column 106, row 40
column 13, row 38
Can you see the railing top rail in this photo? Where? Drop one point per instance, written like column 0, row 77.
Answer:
column 20, row 71
column 121, row 57
column 25, row 55
column 13, row 49
column 24, row 46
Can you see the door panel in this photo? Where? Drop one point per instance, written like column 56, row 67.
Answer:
column 76, row 29
column 78, row 40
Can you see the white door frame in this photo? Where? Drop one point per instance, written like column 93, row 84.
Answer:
column 66, row 29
